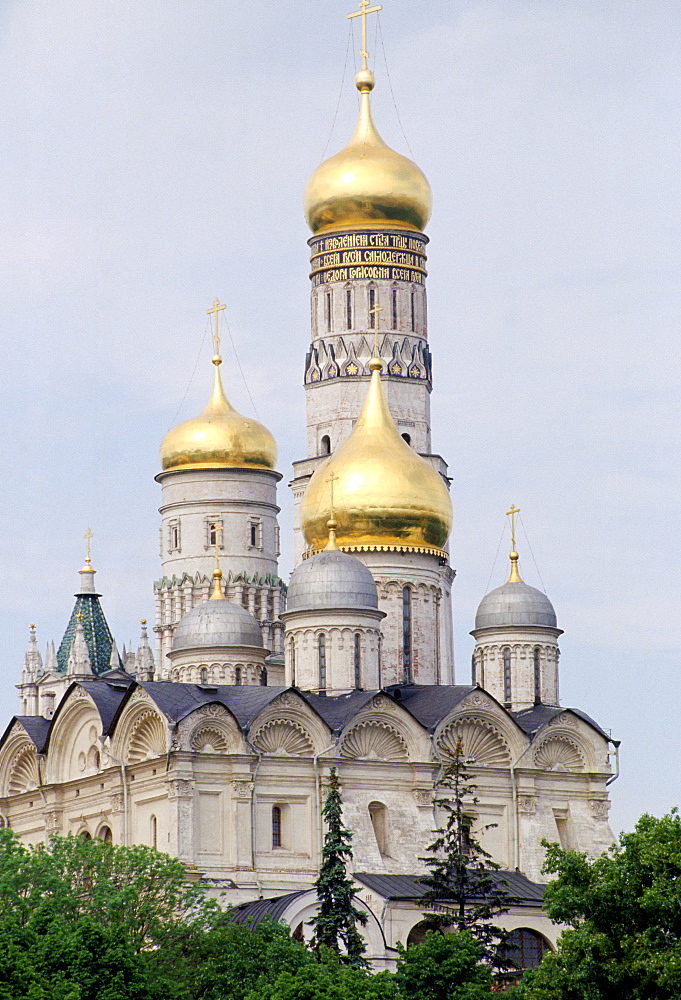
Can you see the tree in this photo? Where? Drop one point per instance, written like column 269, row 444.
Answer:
column 329, row 981
column 444, row 967
column 335, row 924
column 464, row 888
column 623, row 912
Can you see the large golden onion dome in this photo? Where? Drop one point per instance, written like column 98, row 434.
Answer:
column 367, row 182
column 385, row 496
column 218, row 438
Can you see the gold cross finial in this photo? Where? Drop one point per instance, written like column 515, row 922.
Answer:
column 215, row 310
column 87, row 536
column 332, row 524
column 217, row 595
column 32, row 625
column 362, row 12
column 515, row 576
column 513, row 511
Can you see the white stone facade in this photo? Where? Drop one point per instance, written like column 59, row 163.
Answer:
column 518, row 665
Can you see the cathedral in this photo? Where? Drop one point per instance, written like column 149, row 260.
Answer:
column 214, row 742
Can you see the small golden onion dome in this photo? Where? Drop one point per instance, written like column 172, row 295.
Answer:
column 367, row 183
column 385, row 496
column 218, row 438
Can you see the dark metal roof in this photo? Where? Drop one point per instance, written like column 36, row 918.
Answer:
column 245, row 702
column 275, row 907
column 531, row 720
column 338, row 710
column 35, row 726
column 107, row 696
column 409, row 888
column 429, row 703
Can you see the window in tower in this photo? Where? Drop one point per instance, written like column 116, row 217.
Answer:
column 473, row 678
column 413, row 311
column 214, row 533
column 327, row 306
column 255, row 534
column 372, row 304
column 263, row 677
column 174, row 536
column 348, row 308
column 321, row 648
column 406, row 437
column 406, row 635
column 276, row 826
column 358, row 659
column 393, row 303
column 292, row 660
column 237, row 676
column 326, row 445
column 204, row 675
column 537, row 677
column 277, row 542
column 507, row 678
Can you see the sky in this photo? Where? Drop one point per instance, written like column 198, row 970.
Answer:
column 153, row 156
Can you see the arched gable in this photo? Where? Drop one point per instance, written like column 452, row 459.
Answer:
column 209, row 729
column 289, row 726
column 491, row 738
column 18, row 762
column 568, row 743
column 384, row 730
column 141, row 731
column 74, row 746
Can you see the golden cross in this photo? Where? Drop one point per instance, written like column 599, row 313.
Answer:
column 374, row 312
column 218, row 530
column 216, row 310
column 331, row 480
column 87, row 536
column 364, row 10
column 513, row 511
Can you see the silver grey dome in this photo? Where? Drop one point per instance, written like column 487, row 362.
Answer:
column 217, row 623
column 331, row 579
column 515, row 604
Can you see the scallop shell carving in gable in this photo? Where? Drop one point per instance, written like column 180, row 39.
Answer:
column 284, row 738
column 209, row 739
column 482, row 744
column 148, row 738
column 24, row 772
column 559, row 754
column 375, row 741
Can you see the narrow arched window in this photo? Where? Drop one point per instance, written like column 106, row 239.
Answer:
column 407, row 438
column 473, row 677
column 237, row 676
column 406, row 635
column 413, row 311
column 379, row 821
column 327, row 306
column 153, row 831
column 292, row 652
column 276, row 826
column 507, row 678
column 322, row 661
column 537, row 677
column 326, row 445
column 358, row 660
column 348, row 308
column 263, row 677
column 204, row 675
column 393, row 304
column 106, row 835
column 372, row 305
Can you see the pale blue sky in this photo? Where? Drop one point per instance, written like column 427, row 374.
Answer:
column 153, row 155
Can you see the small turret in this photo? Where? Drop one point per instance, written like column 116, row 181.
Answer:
column 79, row 663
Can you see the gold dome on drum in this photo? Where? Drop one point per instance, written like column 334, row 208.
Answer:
column 380, row 492
column 218, row 438
column 367, row 183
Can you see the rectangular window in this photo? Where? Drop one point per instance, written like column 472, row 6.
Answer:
column 327, row 300
column 255, row 534
column 394, row 308
column 214, row 533
column 358, row 660
column 322, row 662
column 276, row 826
column 413, row 311
column 537, row 678
column 174, row 536
column 372, row 303
column 507, row 678
column 348, row 308
column 406, row 635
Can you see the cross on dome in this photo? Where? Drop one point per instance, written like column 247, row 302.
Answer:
column 364, row 10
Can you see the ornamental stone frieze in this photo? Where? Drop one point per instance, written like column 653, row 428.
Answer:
column 181, row 788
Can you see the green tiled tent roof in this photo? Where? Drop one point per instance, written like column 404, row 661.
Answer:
column 97, row 635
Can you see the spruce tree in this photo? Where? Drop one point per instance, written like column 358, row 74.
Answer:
column 464, row 888
column 335, row 924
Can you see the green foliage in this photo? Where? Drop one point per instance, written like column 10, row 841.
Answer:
column 623, row 912
column 330, row 982
column 335, row 924
column 444, row 967
column 464, row 890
